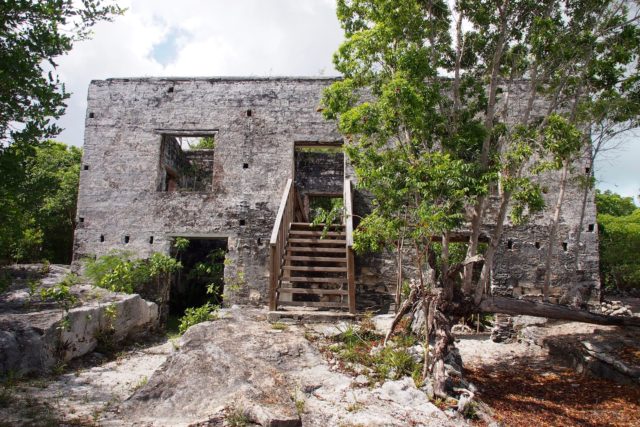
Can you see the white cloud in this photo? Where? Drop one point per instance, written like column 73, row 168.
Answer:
column 240, row 38
column 215, row 38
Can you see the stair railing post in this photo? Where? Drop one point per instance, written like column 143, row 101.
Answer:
column 278, row 241
column 348, row 220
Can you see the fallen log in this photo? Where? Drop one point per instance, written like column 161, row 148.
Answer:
column 515, row 307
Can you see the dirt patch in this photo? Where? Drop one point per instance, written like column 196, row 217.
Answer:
column 534, row 391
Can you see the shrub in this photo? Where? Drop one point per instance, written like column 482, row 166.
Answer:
column 118, row 273
column 194, row 315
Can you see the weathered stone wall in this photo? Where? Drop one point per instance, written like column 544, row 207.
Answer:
column 256, row 123
column 319, row 172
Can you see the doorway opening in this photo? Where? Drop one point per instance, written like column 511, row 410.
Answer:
column 327, row 208
column 201, row 279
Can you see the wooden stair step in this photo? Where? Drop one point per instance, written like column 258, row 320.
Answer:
column 314, row 304
column 316, row 233
column 303, row 279
column 319, row 241
column 316, row 258
column 311, row 226
column 320, row 269
column 314, row 249
column 313, row 291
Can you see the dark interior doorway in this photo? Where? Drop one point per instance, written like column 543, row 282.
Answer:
column 202, row 277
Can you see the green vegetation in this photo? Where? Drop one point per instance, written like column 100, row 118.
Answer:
column 361, row 345
column 38, row 209
column 39, row 177
column 194, row 315
column 117, row 272
column 204, row 143
column 33, row 35
column 619, row 232
column 237, row 417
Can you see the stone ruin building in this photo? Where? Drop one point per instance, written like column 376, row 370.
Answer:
column 145, row 181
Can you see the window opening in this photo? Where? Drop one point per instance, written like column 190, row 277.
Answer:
column 126, row 239
column 187, row 162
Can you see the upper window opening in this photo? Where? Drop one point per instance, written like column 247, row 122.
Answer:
column 187, row 162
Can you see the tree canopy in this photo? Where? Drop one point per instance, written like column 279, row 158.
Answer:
column 619, row 233
column 449, row 108
column 32, row 35
column 37, row 216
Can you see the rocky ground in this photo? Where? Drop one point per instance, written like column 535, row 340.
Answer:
column 48, row 317
column 242, row 370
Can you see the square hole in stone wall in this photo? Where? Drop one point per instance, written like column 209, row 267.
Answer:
column 591, row 228
column 242, row 222
column 86, row 167
column 102, row 238
column 187, row 161
column 245, row 166
column 126, row 239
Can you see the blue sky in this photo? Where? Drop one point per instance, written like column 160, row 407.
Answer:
column 239, row 38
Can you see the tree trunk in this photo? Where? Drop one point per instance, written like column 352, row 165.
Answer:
column 493, row 247
column 515, row 307
column 399, row 248
column 476, row 220
column 554, row 229
column 444, row 340
column 583, row 208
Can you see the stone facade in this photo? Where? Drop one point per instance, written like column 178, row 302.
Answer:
column 133, row 163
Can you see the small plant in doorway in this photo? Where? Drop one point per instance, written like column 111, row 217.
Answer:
column 194, row 315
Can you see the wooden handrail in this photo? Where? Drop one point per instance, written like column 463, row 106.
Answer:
column 286, row 215
column 348, row 222
column 348, row 212
column 281, row 209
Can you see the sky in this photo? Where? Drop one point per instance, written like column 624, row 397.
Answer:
column 188, row 38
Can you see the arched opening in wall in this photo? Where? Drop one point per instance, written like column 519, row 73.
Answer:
column 201, row 279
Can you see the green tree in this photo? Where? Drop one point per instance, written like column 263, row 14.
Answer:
column 37, row 218
column 619, row 248
column 609, row 203
column 32, row 35
column 619, row 233
column 428, row 147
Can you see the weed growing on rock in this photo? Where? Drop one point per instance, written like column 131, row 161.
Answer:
column 279, row 326
column 298, row 401
column 237, row 417
column 195, row 315
column 360, row 348
column 143, row 382
column 105, row 335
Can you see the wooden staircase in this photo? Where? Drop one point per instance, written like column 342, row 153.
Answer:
column 311, row 267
